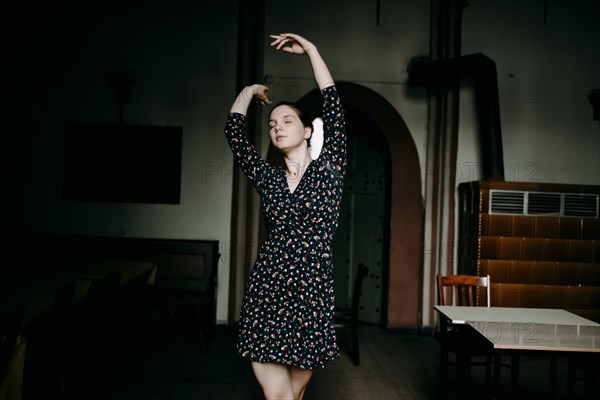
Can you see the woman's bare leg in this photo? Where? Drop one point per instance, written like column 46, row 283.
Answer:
column 299, row 378
column 275, row 380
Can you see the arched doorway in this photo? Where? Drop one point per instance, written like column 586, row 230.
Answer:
column 401, row 233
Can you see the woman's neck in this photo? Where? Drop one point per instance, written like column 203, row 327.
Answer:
column 296, row 162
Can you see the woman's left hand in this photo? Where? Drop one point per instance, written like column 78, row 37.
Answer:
column 291, row 43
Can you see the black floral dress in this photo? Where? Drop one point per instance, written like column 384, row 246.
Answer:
column 287, row 310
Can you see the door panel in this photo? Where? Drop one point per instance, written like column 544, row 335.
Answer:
column 360, row 237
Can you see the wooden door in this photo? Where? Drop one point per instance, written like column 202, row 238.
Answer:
column 361, row 236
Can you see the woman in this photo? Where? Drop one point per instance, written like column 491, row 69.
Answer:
column 286, row 322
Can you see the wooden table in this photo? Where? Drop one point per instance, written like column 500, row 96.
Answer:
column 467, row 315
column 521, row 330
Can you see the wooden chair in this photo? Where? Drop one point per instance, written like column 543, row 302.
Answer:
column 464, row 288
column 348, row 317
column 462, row 342
column 188, row 283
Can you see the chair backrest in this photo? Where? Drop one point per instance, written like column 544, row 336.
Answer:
column 362, row 272
column 187, row 267
column 464, row 288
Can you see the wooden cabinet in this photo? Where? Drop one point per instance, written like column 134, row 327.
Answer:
column 540, row 243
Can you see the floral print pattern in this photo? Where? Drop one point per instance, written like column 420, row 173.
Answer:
column 287, row 309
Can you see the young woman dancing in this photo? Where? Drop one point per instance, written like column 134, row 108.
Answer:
column 286, row 323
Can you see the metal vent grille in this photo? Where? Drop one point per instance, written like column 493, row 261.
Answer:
column 544, row 203
column 507, row 202
column 581, row 205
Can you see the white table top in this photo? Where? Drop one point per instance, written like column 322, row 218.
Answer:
column 463, row 315
column 528, row 328
column 544, row 337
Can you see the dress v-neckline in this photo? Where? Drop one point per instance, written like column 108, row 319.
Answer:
column 285, row 179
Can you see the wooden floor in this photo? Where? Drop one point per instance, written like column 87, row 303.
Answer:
column 394, row 366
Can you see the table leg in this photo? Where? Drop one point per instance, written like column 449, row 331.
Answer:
column 553, row 380
column 514, row 373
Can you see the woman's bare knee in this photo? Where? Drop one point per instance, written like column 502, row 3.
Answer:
column 299, row 379
column 275, row 380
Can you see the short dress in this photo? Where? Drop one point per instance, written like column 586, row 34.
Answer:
column 287, row 309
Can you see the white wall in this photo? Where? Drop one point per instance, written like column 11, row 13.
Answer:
column 355, row 50
column 545, row 74
column 184, row 57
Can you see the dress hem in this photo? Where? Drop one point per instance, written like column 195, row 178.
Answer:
column 290, row 363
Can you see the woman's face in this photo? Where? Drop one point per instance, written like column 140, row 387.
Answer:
column 286, row 130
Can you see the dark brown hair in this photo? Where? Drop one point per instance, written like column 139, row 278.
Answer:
column 302, row 114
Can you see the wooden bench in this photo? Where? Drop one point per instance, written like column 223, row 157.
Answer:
column 56, row 260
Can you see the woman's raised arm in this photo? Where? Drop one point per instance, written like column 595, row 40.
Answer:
column 296, row 44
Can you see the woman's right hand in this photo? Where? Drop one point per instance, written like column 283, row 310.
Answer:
column 259, row 93
column 256, row 92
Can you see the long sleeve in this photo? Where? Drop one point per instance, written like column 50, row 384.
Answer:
column 246, row 156
column 334, row 130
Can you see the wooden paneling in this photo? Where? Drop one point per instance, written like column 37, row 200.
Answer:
column 547, row 227
column 545, row 296
column 580, row 251
column 596, row 251
column 532, row 249
column 523, row 226
column 543, row 273
column 570, row 228
column 521, row 271
column 540, row 272
column 533, row 260
column 590, row 228
column 589, row 275
column 554, row 296
column 558, row 250
column 500, row 225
